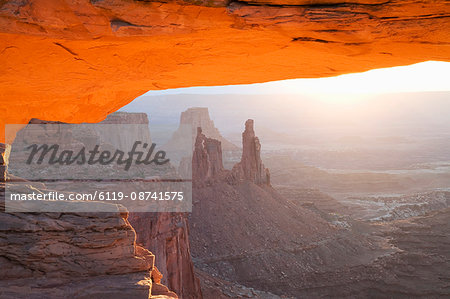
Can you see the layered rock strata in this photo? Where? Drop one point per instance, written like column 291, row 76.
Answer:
column 74, row 255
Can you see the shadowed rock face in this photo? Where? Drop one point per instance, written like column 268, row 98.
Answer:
column 251, row 167
column 207, row 158
column 168, row 235
column 73, row 255
column 207, row 164
column 84, row 255
column 79, row 61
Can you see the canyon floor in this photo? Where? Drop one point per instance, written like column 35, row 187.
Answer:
column 404, row 254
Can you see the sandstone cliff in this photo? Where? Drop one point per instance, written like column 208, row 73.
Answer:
column 74, row 255
column 168, row 235
column 81, row 255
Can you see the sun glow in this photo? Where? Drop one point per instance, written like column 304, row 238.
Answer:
column 421, row 77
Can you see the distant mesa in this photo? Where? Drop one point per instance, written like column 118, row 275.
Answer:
column 133, row 127
column 198, row 117
column 121, row 117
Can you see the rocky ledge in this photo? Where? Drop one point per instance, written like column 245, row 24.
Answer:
column 74, row 255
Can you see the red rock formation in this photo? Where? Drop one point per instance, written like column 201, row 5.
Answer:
column 4, row 154
column 79, row 255
column 79, row 61
column 73, row 255
column 207, row 158
column 167, row 235
column 207, row 165
column 270, row 243
column 251, row 167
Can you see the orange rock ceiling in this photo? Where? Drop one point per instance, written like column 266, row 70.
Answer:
column 77, row 61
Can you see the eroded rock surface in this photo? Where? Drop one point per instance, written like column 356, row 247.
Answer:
column 73, row 255
column 251, row 167
column 168, row 234
column 207, row 159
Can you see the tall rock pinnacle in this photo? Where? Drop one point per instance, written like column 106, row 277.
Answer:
column 251, row 166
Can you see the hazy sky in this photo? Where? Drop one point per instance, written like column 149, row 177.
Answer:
column 415, row 96
column 420, row 77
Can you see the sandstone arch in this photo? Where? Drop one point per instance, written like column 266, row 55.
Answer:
column 76, row 61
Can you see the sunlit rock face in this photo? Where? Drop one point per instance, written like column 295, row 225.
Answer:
column 77, row 61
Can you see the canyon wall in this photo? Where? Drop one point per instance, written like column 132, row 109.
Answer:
column 80, row 61
column 167, row 234
column 74, row 255
column 88, row 255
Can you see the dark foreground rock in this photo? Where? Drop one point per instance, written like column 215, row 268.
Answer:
column 74, row 255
